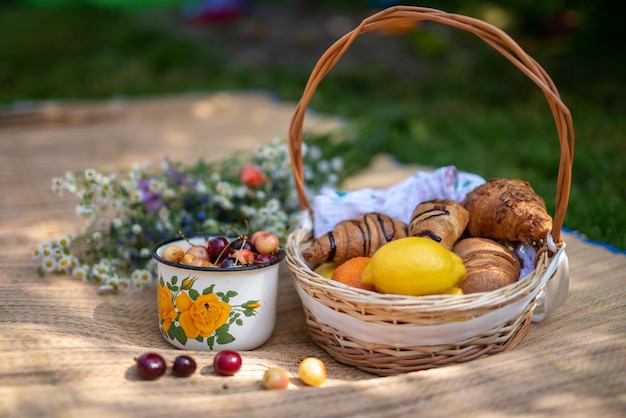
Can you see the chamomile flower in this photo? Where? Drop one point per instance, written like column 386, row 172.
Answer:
column 80, row 272
column 49, row 264
column 57, row 185
column 142, row 275
column 90, row 174
column 126, row 212
column 273, row 205
column 136, row 196
column 64, row 264
column 64, row 241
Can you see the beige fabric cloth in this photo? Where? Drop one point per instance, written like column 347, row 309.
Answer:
column 67, row 351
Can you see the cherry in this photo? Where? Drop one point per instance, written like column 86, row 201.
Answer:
column 243, row 256
column 312, row 371
column 200, row 251
column 150, row 366
column 263, row 258
column 275, row 378
column 215, row 248
column 256, row 236
column 227, row 362
column 239, row 244
column 173, row 253
column 228, row 262
column 266, row 243
column 200, row 262
column 183, row 366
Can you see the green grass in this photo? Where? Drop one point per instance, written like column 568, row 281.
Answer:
column 479, row 114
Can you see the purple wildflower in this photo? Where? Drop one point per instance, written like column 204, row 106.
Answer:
column 177, row 176
column 151, row 200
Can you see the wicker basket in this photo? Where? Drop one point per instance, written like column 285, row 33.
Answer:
column 388, row 334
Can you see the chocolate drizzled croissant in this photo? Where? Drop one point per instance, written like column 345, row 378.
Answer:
column 357, row 237
column 441, row 220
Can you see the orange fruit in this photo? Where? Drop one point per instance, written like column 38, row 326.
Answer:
column 350, row 272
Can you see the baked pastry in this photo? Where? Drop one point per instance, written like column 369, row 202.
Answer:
column 489, row 264
column 507, row 209
column 441, row 220
column 357, row 237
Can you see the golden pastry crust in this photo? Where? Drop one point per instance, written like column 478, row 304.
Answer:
column 507, row 209
column 441, row 220
column 358, row 237
column 489, row 264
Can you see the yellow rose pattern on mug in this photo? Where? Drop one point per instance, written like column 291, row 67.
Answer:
column 185, row 313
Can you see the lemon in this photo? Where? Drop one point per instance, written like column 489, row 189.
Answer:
column 414, row 266
column 326, row 270
column 454, row 291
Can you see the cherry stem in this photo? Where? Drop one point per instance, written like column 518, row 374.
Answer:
column 183, row 236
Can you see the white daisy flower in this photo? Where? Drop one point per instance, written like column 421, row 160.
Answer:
column 80, row 272
column 64, row 264
column 164, row 213
column 169, row 194
column 64, row 241
column 57, row 185
column 273, row 204
column 90, row 174
column 136, row 196
column 49, row 264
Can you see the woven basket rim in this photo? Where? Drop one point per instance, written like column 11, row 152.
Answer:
column 440, row 303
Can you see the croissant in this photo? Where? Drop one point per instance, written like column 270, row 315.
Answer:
column 441, row 220
column 507, row 209
column 489, row 265
column 357, row 237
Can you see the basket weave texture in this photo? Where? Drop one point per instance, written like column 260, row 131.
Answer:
column 389, row 334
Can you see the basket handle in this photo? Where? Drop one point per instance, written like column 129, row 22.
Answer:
column 493, row 36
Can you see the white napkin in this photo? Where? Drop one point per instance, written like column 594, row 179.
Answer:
column 332, row 206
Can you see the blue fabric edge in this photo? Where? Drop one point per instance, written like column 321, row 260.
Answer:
column 582, row 237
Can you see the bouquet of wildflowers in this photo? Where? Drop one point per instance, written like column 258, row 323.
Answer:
column 127, row 212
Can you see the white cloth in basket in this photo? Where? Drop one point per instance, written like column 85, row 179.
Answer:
column 398, row 201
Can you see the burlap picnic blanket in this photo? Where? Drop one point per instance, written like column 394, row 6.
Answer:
column 68, row 351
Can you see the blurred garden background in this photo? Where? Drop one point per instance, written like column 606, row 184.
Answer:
column 423, row 93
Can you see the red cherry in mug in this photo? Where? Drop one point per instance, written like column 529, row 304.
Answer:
column 215, row 248
column 188, row 259
column 228, row 262
column 266, row 243
column 227, row 362
column 239, row 244
column 200, row 262
column 263, row 258
column 200, row 251
column 243, row 256
column 256, row 236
